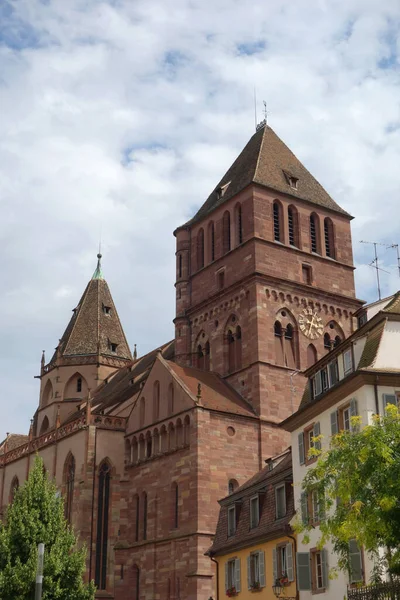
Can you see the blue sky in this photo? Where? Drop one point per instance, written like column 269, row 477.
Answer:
column 120, row 117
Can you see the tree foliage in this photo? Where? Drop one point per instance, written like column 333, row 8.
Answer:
column 358, row 483
column 37, row 515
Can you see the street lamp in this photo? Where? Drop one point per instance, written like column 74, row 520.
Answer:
column 277, row 589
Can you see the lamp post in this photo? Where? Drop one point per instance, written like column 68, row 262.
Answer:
column 39, row 573
column 277, row 589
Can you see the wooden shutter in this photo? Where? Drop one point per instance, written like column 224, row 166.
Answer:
column 303, row 571
column 316, row 432
column 226, row 576
column 302, row 457
column 289, row 561
column 355, row 560
column 324, row 559
column 261, row 568
column 304, row 507
column 249, row 572
column 334, row 423
column 237, row 574
column 274, row 565
column 389, row 399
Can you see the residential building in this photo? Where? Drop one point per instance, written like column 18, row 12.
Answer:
column 142, row 448
column 254, row 544
column 357, row 378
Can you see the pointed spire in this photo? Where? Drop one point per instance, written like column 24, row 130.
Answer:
column 98, row 274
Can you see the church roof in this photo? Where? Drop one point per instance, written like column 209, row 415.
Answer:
column 94, row 328
column 267, row 161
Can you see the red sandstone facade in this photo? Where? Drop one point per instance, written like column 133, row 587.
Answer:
column 153, row 443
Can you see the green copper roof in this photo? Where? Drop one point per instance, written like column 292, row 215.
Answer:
column 98, row 274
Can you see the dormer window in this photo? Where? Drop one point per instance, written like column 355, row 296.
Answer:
column 107, row 310
column 113, row 347
column 231, row 520
column 291, row 179
column 220, row 191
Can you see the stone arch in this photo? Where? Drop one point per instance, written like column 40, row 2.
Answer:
column 142, row 447
column 156, row 442
column 134, row 450
column 171, row 437
column 128, row 452
column 149, row 445
column 286, row 339
column 186, row 431
column 44, row 426
column 329, row 234
column 233, row 344
column 315, row 235
column 76, row 387
column 293, row 225
column 179, row 433
column 163, row 439
column 312, row 355
column 13, row 489
column 48, row 393
column 277, row 216
column 226, row 232
column 202, row 351
column 232, row 485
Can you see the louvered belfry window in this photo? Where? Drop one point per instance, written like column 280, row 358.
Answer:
column 313, row 234
column 277, row 224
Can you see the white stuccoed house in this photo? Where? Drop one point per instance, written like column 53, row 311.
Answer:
column 358, row 377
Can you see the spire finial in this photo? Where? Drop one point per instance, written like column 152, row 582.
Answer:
column 98, row 274
column 135, row 353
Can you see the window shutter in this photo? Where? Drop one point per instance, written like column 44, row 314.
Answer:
column 302, row 457
column 321, row 507
column 334, row 423
column 249, row 572
column 325, row 578
column 237, row 574
column 304, row 507
column 261, row 568
column 226, row 576
column 274, row 564
column 389, row 399
column 355, row 560
column 289, row 561
column 303, row 571
column 316, row 432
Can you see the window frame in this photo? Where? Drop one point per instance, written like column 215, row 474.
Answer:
column 231, row 573
column 278, row 487
column 254, row 499
column 254, row 575
column 348, row 354
column 231, row 525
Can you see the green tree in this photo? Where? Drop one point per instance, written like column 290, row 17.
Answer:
column 37, row 515
column 358, row 483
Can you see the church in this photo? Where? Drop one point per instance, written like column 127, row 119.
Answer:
column 143, row 447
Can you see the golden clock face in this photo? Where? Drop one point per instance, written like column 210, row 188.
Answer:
column 310, row 323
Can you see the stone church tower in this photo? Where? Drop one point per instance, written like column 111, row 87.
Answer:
column 264, row 281
column 142, row 448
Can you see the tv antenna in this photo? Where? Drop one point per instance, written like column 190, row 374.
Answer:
column 374, row 263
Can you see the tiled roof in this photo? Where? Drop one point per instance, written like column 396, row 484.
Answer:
column 216, row 394
column 90, row 329
column 13, row 441
column 394, row 305
column 266, row 160
column 371, row 346
column 269, row 527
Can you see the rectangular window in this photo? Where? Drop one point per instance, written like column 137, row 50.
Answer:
column 280, row 501
column 256, row 570
column 347, row 361
column 317, row 384
column 254, row 511
column 325, row 380
column 319, row 570
column 319, row 581
column 390, row 399
column 346, row 419
column 355, row 563
column 333, row 373
column 231, row 574
column 307, row 274
column 231, row 521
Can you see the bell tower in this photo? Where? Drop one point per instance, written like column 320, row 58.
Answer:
column 92, row 347
column 264, row 280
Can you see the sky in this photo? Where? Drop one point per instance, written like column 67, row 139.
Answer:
column 118, row 118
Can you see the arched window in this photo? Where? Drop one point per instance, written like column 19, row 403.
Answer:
column 142, row 409
column 238, row 348
column 136, row 582
column 149, row 445
column 232, row 486
column 312, row 355
column 238, row 224
column 278, row 333
column 47, row 393
column 211, row 242
column 175, row 505
column 179, row 266
column 278, row 222
column 156, row 442
column 293, row 224
column 234, row 348
column 186, row 431
column 289, row 347
column 314, row 234
column 69, row 474
column 136, row 503
column 171, row 399
column 76, row 385
column 226, row 232
column 329, row 238
column 337, row 341
column 156, row 401
column 142, row 447
column 45, row 426
column 79, row 384
column 134, row 451
column 103, row 505
column 207, row 356
column 327, row 341
column 13, row 488
column 200, row 357
column 179, row 434
column 163, row 439
column 231, row 352
column 200, row 249
column 171, row 437
column 145, row 515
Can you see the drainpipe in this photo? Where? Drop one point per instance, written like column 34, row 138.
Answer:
column 93, row 494
column 295, row 554
column 217, row 578
column 376, row 394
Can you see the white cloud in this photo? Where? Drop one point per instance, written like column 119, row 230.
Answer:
column 122, row 116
